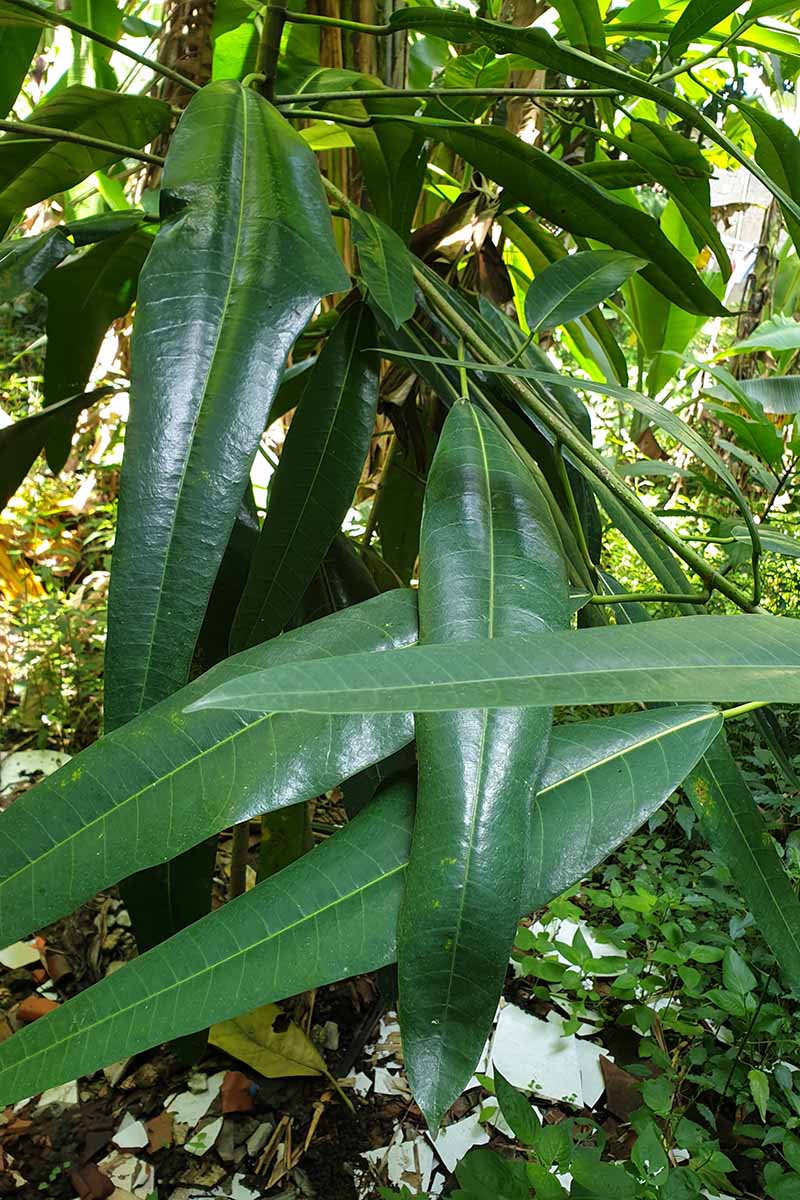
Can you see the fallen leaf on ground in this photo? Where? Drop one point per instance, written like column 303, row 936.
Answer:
column 159, row 1132
column 623, row 1090
column 34, row 1007
column 237, row 1093
column 270, row 1043
column 90, row 1183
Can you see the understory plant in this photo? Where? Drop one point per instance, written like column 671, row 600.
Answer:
column 255, row 662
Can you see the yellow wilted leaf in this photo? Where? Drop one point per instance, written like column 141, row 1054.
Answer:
column 270, row 1043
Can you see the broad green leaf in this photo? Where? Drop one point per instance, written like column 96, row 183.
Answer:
column 679, row 658
column 490, row 566
column 696, row 19
column 567, row 198
column 303, row 928
column 23, row 261
column 17, row 47
column 31, row 169
column 83, row 298
column 516, row 1108
column 779, row 394
column 234, row 37
column 778, row 152
column 23, row 440
column 613, row 767
column 773, row 540
column 759, row 1089
column 536, row 45
column 251, row 246
column 779, row 333
column 90, row 59
column 575, row 284
column 734, row 828
column 162, row 784
column 313, row 486
column 385, row 265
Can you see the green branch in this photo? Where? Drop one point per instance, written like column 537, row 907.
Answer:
column 57, row 18
column 434, row 93
column 45, row 133
column 301, row 18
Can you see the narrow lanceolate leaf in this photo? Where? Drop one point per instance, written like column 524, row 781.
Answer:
column 313, row 486
column 165, row 782
column 733, row 826
column 489, row 566
column 778, row 152
column 562, row 195
column 306, row 926
column 576, row 284
column 33, row 168
column 385, row 264
column 679, row 658
column 22, row 441
column 23, row 261
column 83, row 298
column 229, row 284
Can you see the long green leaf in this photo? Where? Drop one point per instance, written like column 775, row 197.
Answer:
column 90, row 59
column 696, row 19
column 165, row 782
column 23, row 261
column 22, row 441
column 778, row 152
column 227, row 288
column 699, row 658
column 566, row 197
column 575, row 284
column 490, row 566
column 17, row 48
column 385, row 265
column 83, row 298
column 733, row 826
column 539, row 47
column 776, row 393
column 313, row 486
column 334, row 912
column 31, row 169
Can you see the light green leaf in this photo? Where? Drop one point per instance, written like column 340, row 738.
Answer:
column 576, row 284
column 699, row 658
column 83, row 298
column 90, row 59
column 31, row 169
column 779, row 394
column 313, row 486
column 490, row 566
column 303, row 928
column 251, row 244
column 234, row 37
column 696, row 19
column 778, row 153
column 582, row 24
column 164, row 783
column 736, row 975
column 759, row 1090
column 17, row 47
column 385, row 265
column 779, row 333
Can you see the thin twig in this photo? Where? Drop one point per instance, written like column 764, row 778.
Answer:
column 44, row 132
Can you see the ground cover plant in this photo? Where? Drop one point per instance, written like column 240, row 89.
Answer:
column 456, row 300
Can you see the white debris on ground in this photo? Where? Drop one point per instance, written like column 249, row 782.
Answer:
column 65, row 1093
column 535, row 1056
column 189, row 1107
column 129, row 1174
column 131, row 1134
column 453, row 1142
column 21, row 954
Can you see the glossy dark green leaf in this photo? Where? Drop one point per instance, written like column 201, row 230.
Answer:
column 313, row 486
column 700, row 658
column 575, row 284
column 385, row 265
column 300, row 929
column 733, row 826
column 251, row 250
column 23, row 261
column 696, row 19
column 778, row 153
column 490, row 566
column 567, row 198
column 516, row 1108
column 536, row 45
column 83, row 298
column 17, row 47
column 162, row 784
column 22, row 441
column 31, row 169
